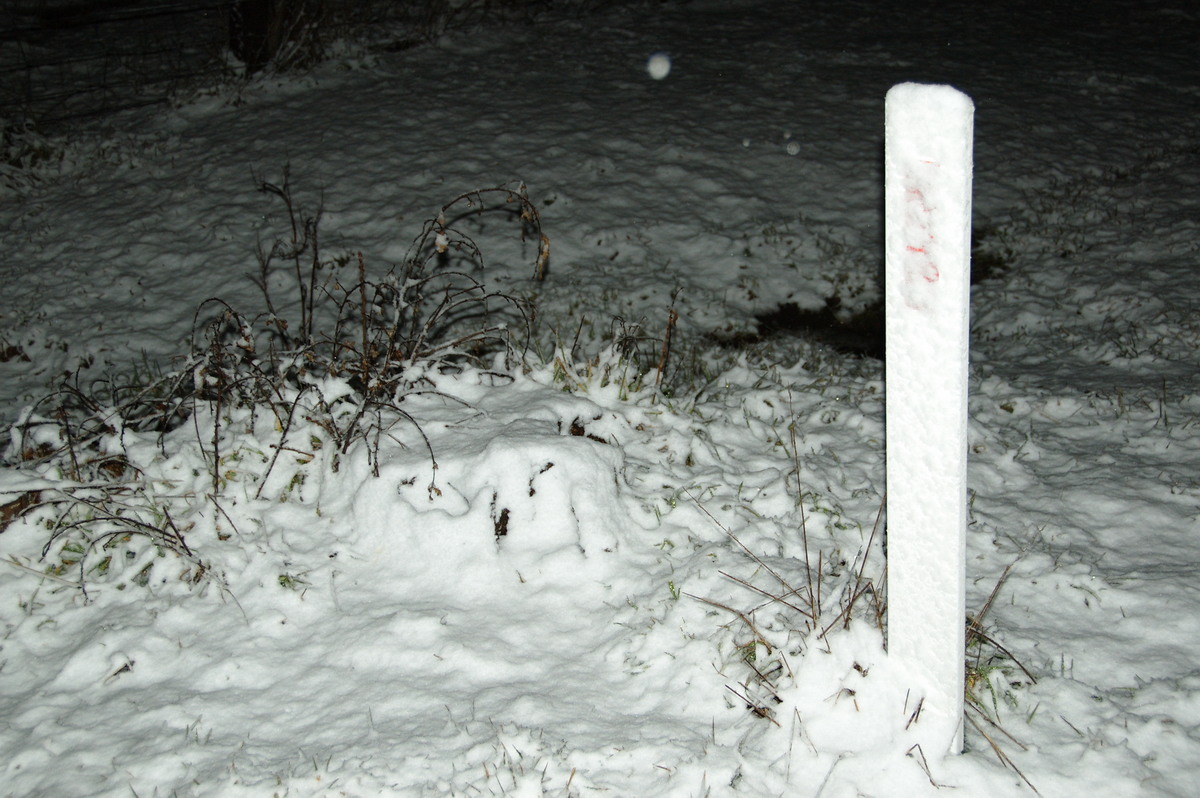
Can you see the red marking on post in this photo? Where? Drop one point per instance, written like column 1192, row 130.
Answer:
column 918, row 218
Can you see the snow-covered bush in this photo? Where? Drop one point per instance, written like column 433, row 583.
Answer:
column 124, row 469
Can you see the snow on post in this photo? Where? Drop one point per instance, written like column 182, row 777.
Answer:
column 928, row 237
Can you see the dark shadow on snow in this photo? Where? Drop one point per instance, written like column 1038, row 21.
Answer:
column 860, row 334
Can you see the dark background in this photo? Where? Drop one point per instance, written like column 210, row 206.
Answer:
column 64, row 62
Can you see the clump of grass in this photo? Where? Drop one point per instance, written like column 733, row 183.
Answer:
column 335, row 358
column 827, row 596
column 797, row 604
column 622, row 363
column 991, row 680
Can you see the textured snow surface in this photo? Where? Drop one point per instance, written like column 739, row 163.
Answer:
column 363, row 635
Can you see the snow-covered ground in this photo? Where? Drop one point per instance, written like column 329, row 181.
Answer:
column 564, row 581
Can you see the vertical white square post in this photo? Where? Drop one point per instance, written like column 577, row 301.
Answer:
column 928, row 161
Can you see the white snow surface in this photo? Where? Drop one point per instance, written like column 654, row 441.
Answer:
column 363, row 635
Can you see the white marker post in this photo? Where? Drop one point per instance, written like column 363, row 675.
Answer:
column 928, row 159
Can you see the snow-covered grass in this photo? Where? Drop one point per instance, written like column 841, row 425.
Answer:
column 537, row 567
column 512, row 502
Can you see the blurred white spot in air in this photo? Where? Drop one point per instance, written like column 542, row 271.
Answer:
column 793, row 148
column 659, row 66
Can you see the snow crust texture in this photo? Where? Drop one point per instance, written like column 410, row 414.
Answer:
column 564, row 581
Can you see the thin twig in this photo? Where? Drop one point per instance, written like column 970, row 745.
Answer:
column 1003, row 757
column 813, row 599
column 12, row 560
column 758, row 638
column 791, row 590
column 766, row 593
